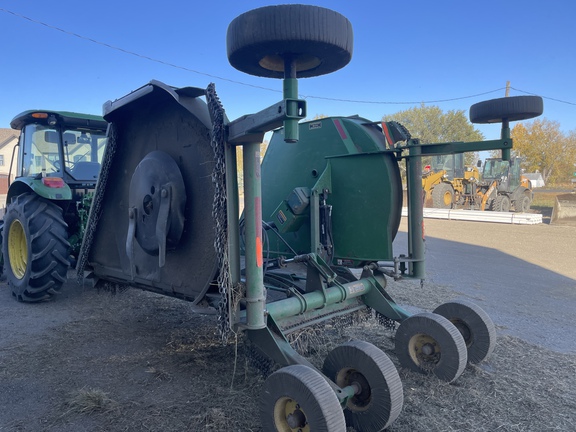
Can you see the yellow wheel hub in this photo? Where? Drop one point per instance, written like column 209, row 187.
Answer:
column 17, row 249
column 447, row 198
column 289, row 417
column 424, row 350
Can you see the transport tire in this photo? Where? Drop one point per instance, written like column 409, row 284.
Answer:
column 474, row 325
column 507, row 108
column 298, row 397
column 318, row 40
column 429, row 343
column 380, row 397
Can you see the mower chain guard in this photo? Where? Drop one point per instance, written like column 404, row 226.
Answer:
column 156, row 229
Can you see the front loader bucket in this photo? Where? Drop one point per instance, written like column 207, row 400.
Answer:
column 564, row 209
column 151, row 222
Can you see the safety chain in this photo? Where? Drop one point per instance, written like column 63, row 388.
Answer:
column 403, row 129
column 96, row 207
column 219, row 210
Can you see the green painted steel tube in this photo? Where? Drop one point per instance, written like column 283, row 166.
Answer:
column 415, row 212
column 233, row 213
column 255, row 294
column 316, row 299
column 505, row 135
column 290, row 89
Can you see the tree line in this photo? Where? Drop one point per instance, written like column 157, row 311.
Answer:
column 541, row 144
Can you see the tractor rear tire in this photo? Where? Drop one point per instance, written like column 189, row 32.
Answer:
column 35, row 248
column 507, row 108
column 443, row 196
column 318, row 40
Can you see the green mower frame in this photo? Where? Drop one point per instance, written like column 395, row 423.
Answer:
column 158, row 227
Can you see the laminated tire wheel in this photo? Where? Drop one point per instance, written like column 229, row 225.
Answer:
column 318, row 40
column 474, row 324
column 430, row 343
column 507, row 108
column 296, row 398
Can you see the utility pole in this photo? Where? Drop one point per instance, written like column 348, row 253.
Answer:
column 507, row 88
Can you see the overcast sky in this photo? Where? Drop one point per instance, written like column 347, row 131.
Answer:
column 54, row 55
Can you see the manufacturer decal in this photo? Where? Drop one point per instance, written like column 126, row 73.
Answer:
column 355, row 288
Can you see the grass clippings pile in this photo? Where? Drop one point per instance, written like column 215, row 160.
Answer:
column 137, row 361
column 90, row 401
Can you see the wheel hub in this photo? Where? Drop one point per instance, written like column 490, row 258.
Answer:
column 289, row 417
column 296, row 419
column 424, row 350
column 428, row 349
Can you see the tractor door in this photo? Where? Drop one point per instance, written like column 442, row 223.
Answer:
column 499, row 170
column 83, row 152
column 514, row 174
column 458, row 165
column 39, row 152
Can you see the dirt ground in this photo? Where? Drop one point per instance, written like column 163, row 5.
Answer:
column 136, row 361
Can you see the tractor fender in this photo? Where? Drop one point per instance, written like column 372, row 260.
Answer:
column 28, row 184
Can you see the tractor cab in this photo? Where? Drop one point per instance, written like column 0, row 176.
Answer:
column 506, row 173
column 59, row 157
column 60, row 147
column 453, row 164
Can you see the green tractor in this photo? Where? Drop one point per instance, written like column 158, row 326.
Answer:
column 58, row 163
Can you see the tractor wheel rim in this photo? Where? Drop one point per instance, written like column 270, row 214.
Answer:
column 424, row 351
column 17, row 249
column 447, row 198
column 289, row 417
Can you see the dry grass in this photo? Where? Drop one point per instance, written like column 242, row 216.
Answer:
column 544, row 200
column 146, row 363
column 89, row 401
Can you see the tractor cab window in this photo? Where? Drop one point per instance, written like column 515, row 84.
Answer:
column 495, row 169
column 452, row 164
column 40, row 153
column 83, row 153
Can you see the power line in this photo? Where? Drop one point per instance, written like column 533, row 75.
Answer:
column 403, row 103
column 544, row 97
column 165, row 63
column 132, row 53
